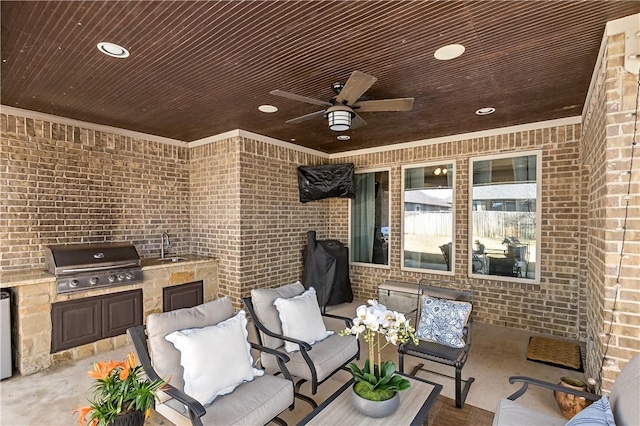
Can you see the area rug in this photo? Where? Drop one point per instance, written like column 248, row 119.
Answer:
column 558, row 353
column 444, row 413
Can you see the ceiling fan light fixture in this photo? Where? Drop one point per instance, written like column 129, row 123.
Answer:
column 343, row 137
column 339, row 117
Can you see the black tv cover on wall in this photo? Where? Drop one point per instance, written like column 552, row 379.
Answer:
column 326, row 181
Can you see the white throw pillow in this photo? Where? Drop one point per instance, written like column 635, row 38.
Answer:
column 215, row 359
column 301, row 319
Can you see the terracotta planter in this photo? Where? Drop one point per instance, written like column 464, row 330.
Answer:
column 132, row 418
column 375, row 409
column 569, row 404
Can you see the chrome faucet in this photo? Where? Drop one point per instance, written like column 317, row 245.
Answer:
column 165, row 242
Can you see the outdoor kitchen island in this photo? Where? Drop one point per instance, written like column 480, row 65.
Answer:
column 35, row 292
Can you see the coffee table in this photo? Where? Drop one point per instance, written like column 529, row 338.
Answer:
column 415, row 404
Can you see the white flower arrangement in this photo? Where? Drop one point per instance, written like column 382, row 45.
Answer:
column 375, row 321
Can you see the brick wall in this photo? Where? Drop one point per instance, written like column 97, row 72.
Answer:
column 612, row 281
column 64, row 184
column 550, row 307
column 215, row 208
column 245, row 209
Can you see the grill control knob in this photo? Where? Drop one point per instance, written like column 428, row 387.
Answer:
column 129, row 275
column 73, row 283
column 93, row 281
column 120, row 277
column 112, row 278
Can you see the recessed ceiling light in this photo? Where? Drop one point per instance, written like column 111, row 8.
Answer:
column 267, row 108
column 450, row 51
column 343, row 137
column 486, row 111
column 112, row 49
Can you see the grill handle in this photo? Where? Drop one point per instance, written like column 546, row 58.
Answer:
column 98, row 268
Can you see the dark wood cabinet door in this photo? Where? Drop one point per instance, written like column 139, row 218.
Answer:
column 121, row 311
column 75, row 323
column 182, row 296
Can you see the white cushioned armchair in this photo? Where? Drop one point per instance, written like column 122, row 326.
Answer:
column 205, row 354
column 313, row 362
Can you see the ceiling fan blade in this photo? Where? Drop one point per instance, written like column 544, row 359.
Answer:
column 299, row 98
column 355, row 87
column 398, row 104
column 305, row 117
column 357, row 121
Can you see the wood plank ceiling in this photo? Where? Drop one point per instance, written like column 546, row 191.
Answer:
column 198, row 69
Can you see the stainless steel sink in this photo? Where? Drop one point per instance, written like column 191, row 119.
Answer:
column 171, row 259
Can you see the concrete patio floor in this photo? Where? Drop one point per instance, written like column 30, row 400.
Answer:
column 49, row 397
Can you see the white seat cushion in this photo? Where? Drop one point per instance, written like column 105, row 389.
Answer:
column 327, row 355
column 511, row 413
column 252, row 403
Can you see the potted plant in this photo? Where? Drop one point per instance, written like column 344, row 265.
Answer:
column 377, row 382
column 121, row 396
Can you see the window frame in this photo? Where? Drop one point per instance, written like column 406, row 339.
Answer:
column 453, row 219
column 538, row 218
column 350, row 207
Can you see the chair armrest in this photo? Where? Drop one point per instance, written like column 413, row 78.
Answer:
column 347, row 321
column 278, row 354
column 196, row 410
column 526, row 381
column 139, row 340
column 281, row 358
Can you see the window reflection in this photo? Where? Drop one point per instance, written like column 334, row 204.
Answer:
column 504, row 216
column 428, row 216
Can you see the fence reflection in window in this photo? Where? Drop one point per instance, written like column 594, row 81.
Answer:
column 428, row 216
column 504, row 216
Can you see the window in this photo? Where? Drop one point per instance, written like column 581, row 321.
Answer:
column 504, row 216
column 427, row 222
column 369, row 218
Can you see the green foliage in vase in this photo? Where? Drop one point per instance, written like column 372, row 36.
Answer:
column 379, row 327
column 380, row 384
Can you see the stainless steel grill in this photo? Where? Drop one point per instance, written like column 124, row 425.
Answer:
column 82, row 266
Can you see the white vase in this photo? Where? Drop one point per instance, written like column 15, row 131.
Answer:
column 375, row 409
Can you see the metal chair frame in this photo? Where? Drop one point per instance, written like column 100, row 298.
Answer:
column 436, row 352
column 304, row 350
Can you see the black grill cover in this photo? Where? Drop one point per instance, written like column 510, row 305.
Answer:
column 326, row 268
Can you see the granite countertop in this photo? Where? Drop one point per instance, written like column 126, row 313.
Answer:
column 23, row 277
column 184, row 259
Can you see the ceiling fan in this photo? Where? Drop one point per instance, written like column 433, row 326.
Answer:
column 341, row 110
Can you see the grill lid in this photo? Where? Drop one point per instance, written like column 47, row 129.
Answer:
column 79, row 258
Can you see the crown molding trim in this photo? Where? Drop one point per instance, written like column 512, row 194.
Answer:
column 5, row 109
column 464, row 136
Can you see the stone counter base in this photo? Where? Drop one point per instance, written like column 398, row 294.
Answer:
column 32, row 306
